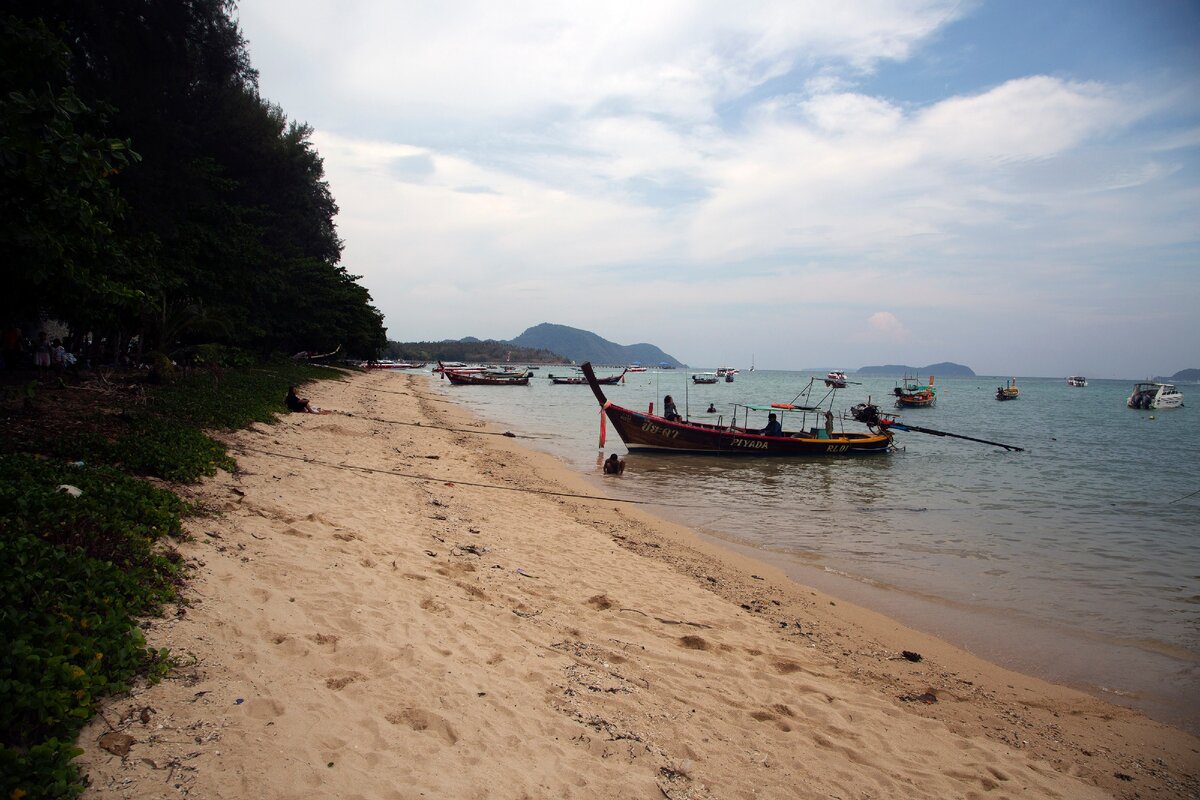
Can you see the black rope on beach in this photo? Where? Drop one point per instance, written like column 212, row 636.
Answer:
column 506, row 434
column 456, row 482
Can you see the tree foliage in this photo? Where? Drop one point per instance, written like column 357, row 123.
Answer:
column 149, row 187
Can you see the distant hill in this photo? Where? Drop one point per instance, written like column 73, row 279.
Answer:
column 579, row 346
column 946, row 369
column 471, row 351
column 1186, row 376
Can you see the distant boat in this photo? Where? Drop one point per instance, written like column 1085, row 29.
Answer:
column 579, row 380
column 704, row 377
column 836, row 379
column 1077, row 380
column 389, row 364
column 635, row 368
column 477, row 376
column 1155, row 395
column 1009, row 391
column 910, row 394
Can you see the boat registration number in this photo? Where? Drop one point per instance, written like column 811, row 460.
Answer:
column 659, row 430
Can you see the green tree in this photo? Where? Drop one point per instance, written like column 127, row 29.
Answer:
column 59, row 209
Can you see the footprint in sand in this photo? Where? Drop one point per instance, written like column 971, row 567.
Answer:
column 600, row 602
column 693, row 642
column 263, row 708
column 419, row 719
column 339, row 682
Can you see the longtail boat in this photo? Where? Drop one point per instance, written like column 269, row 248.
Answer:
column 648, row 432
column 579, row 380
column 1009, row 391
column 471, row 377
column 910, row 394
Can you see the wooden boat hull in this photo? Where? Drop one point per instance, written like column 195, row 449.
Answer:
column 643, row 432
column 478, row 379
column 914, row 400
column 573, row 380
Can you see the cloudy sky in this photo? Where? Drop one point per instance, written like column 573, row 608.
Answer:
column 1009, row 184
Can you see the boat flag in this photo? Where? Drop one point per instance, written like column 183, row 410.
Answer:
column 603, row 427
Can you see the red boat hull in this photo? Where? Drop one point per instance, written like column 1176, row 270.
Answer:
column 650, row 433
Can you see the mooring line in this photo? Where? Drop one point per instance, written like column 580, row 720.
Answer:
column 443, row 480
column 507, row 434
column 1185, row 497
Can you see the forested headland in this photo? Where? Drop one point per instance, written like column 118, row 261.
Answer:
column 148, row 192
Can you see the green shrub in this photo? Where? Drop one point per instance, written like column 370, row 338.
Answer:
column 75, row 572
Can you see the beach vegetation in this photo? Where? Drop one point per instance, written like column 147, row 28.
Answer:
column 87, row 546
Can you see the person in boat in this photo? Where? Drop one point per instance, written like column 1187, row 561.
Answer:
column 669, row 411
column 300, row 404
column 712, row 409
column 613, row 465
column 773, row 427
column 829, row 422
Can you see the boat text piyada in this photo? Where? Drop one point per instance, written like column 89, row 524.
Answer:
column 648, row 432
column 645, row 431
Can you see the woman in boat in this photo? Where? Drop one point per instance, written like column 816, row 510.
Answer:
column 669, row 411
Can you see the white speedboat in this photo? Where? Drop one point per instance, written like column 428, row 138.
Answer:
column 1077, row 380
column 1154, row 395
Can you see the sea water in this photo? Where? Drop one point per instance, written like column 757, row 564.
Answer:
column 1077, row 560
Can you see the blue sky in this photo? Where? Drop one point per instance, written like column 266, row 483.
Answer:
column 1009, row 185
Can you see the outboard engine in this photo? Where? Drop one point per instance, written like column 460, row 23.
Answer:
column 867, row 414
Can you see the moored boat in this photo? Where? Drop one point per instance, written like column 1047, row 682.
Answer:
column 1009, row 391
column 704, row 377
column 577, row 380
column 389, row 364
column 473, row 376
column 1154, row 395
column 910, row 394
column 836, row 378
column 1077, row 380
column 647, row 432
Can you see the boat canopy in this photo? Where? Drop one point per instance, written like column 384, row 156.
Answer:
column 780, row 407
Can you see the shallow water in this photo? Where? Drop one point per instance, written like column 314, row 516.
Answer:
column 1077, row 560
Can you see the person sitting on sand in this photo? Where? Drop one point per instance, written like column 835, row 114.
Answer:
column 300, row 404
column 613, row 465
column 773, row 427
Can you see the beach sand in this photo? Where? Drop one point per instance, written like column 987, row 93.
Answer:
column 386, row 610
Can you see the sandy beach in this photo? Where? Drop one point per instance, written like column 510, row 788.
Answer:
column 395, row 600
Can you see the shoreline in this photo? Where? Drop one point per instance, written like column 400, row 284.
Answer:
column 398, row 631
column 982, row 632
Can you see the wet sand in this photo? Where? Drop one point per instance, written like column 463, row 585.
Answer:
column 396, row 602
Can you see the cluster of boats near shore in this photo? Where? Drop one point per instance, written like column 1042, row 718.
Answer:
column 797, row 428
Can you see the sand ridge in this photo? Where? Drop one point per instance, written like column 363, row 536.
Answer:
column 374, row 634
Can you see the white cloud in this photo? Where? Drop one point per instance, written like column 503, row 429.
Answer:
column 886, row 324
column 700, row 171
